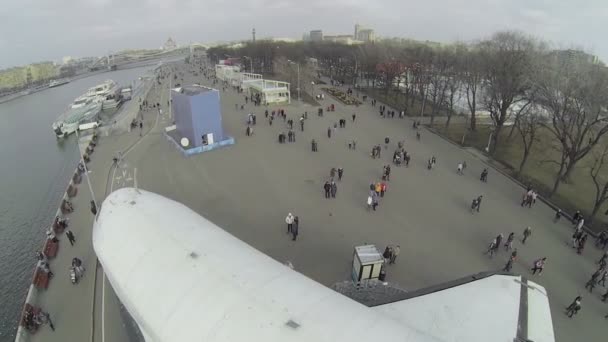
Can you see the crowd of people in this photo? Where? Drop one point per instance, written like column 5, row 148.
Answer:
column 378, row 190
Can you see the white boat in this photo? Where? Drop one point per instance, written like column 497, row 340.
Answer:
column 108, row 93
column 102, row 89
column 84, row 109
column 81, row 102
column 57, row 83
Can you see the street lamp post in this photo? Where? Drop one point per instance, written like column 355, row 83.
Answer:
column 423, row 103
column 298, row 68
column 466, row 130
column 489, row 142
column 86, row 170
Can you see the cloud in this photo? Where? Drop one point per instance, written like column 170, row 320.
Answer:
column 36, row 30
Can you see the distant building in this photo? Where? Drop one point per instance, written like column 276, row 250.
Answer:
column 169, row 44
column 282, row 39
column 67, row 60
column 342, row 39
column 572, row 56
column 366, row 35
column 316, row 35
column 306, row 36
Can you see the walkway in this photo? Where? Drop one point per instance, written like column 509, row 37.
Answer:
column 248, row 189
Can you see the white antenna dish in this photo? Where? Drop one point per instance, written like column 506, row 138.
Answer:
column 185, row 142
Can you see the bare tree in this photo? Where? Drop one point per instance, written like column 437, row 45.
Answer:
column 471, row 78
column 453, row 82
column 527, row 126
column 438, row 85
column 600, row 180
column 575, row 94
column 507, row 62
column 369, row 57
column 518, row 111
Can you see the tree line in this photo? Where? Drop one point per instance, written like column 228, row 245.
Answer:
column 515, row 80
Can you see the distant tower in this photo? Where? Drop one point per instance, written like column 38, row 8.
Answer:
column 356, row 36
column 253, row 33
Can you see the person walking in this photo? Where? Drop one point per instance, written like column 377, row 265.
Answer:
column 498, row 242
column 576, row 237
column 329, row 132
column 334, row 189
column 289, row 220
column 533, row 198
column 302, row 124
column 558, row 215
column 296, row 228
column 479, row 202
column 576, row 217
column 374, row 202
column 378, row 188
column 473, row 205
column 484, row 176
column 332, row 172
column 581, row 244
column 93, row 208
column 459, row 169
column 527, row 233
column 340, row 173
column 45, row 318
column 527, row 197
column 574, row 307
column 593, row 281
column 354, row 117
column 370, row 202
column 388, row 254
column 70, row 236
column 327, row 188
column 508, row 265
column 313, row 145
column 491, row 248
column 509, row 242
column 382, row 189
column 395, row 254
column 580, row 224
column 539, row 265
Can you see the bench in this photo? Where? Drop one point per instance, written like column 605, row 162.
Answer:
column 50, row 248
column 41, row 279
column 33, row 311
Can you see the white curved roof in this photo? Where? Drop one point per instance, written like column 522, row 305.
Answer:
column 182, row 278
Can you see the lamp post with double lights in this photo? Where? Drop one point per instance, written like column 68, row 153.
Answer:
column 298, row 68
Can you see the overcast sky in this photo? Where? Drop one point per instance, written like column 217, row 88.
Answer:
column 37, row 30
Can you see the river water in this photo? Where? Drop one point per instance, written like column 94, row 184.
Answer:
column 34, row 171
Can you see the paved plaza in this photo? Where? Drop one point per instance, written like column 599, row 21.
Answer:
column 249, row 188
